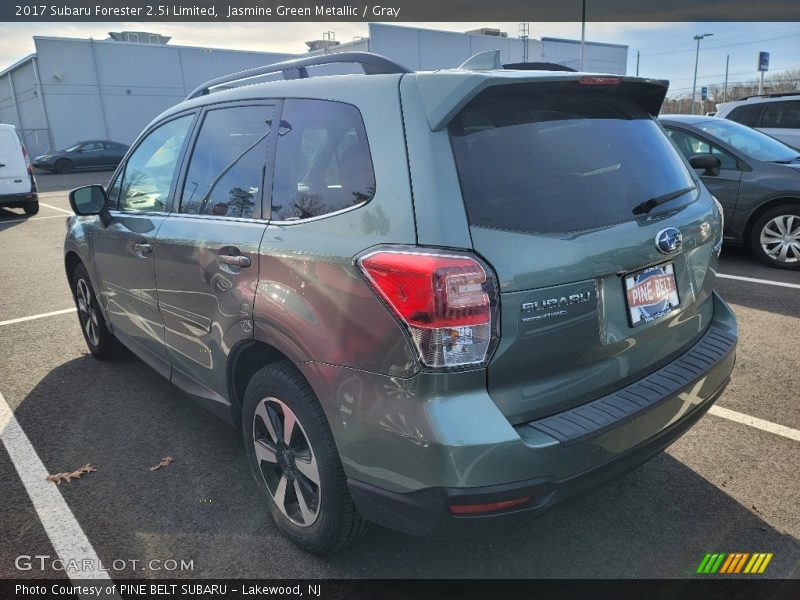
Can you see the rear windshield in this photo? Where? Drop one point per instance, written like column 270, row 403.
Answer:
column 555, row 163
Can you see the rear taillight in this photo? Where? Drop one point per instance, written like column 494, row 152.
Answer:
column 447, row 302
column 27, row 160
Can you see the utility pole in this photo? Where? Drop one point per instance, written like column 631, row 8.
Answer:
column 696, row 59
column 725, row 85
column 524, row 34
column 637, row 63
column 583, row 32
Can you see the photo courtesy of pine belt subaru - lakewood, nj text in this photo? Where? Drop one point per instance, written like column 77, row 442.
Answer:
column 437, row 301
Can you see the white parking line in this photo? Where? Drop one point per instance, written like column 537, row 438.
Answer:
column 39, row 316
column 69, row 212
column 4, row 222
column 764, row 281
column 65, row 533
column 768, row 426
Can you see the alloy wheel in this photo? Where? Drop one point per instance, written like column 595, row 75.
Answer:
column 287, row 462
column 780, row 239
column 87, row 312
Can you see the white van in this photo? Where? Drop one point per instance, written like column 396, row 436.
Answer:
column 17, row 184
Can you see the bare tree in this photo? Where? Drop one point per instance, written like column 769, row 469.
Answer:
column 785, row 82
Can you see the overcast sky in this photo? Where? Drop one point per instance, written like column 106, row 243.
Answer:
column 667, row 49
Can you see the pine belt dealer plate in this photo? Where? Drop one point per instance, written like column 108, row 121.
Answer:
column 651, row 294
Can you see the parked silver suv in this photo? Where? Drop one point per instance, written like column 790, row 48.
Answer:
column 438, row 301
column 777, row 115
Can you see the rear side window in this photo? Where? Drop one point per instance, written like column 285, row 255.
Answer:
column 746, row 114
column 689, row 145
column 782, row 115
column 322, row 161
column 226, row 171
column 560, row 162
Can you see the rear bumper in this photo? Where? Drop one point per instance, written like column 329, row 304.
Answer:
column 425, row 513
column 567, row 454
column 18, row 200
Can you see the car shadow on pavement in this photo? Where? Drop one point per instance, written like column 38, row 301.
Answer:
column 740, row 262
column 766, row 299
column 9, row 218
column 657, row 521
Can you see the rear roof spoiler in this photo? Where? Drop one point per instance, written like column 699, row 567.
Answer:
column 445, row 93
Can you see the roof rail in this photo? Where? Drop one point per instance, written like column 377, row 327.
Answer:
column 373, row 64
column 778, row 95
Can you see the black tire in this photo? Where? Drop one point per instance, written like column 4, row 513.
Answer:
column 31, row 208
column 101, row 342
column 64, row 165
column 768, row 225
column 336, row 522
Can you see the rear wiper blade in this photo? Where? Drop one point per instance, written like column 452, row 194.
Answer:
column 648, row 205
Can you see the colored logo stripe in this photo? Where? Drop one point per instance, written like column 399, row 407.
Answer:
column 711, row 563
column 758, row 563
column 734, row 562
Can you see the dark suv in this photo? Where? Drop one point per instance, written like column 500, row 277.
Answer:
column 438, row 301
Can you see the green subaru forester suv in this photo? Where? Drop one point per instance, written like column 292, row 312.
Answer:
column 437, row 301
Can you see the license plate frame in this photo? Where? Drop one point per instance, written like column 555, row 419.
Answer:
column 651, row 294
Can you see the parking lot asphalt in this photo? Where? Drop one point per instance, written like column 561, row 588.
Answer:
column 723, row 487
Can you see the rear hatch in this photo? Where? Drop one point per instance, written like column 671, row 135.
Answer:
column 556, row 177
column 14, row 177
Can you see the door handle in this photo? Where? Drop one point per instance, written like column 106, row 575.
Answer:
column 235, row 261
column 142, row 248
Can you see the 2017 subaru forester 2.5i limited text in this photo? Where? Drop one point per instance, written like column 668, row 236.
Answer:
column 437, row 301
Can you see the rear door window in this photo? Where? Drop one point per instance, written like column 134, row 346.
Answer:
column 322, row 162
column 554, row 163
column 747, row 114
column 782, row 115
column 226, row 170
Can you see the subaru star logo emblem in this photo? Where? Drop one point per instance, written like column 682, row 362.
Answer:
column 668, row 240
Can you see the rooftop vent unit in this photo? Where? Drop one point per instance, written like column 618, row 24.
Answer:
column 139, row 37
column 488, row 31
column 315, row 45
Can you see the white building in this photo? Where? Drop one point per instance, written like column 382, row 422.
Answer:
column 427, row 49
column 76, row 89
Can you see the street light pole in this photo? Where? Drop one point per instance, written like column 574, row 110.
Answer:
column 583, row 33
column 725, row 87
column 696, row 59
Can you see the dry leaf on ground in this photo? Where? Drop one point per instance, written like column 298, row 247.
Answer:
column 57, row 478
column 166, row 461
